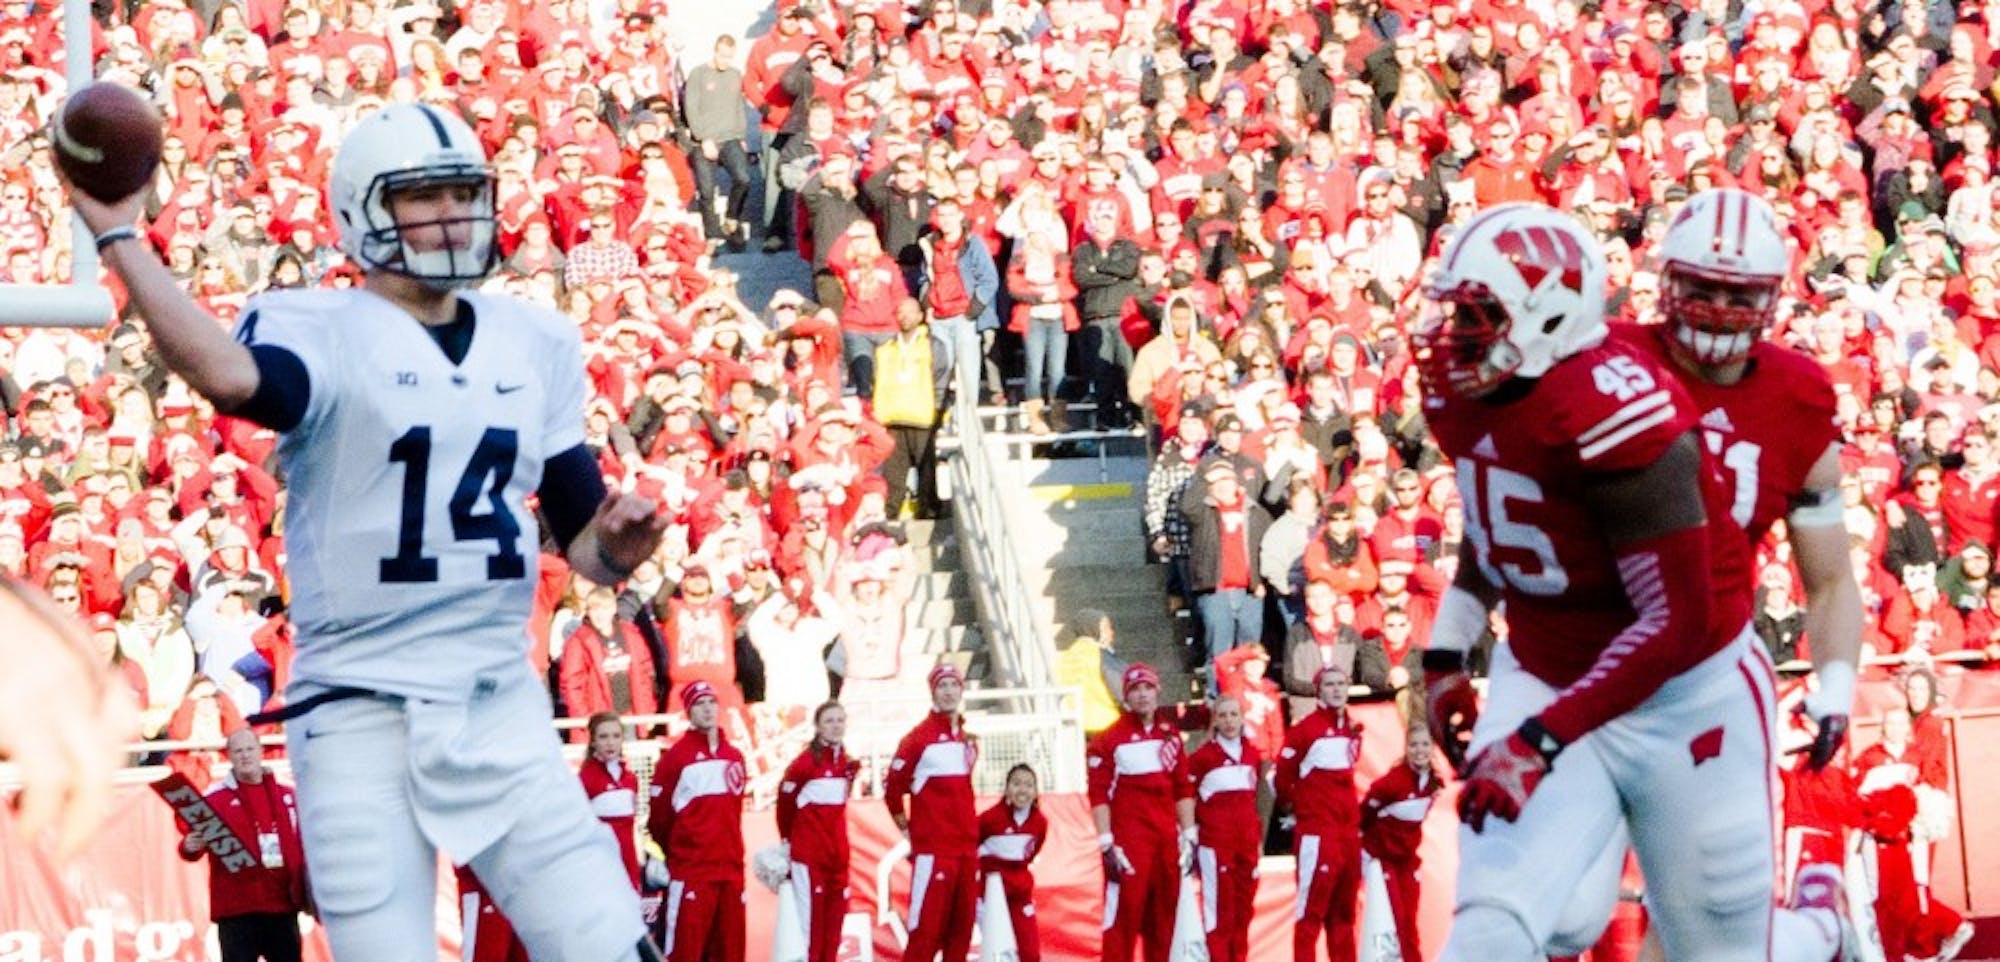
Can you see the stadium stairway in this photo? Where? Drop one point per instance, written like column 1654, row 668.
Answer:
column 1079, row 529
column 941, row 607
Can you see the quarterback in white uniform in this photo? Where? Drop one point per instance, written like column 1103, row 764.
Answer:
column 415, row 420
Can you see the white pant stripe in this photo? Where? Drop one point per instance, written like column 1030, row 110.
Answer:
column 1205, row 858
column 920, row 881
column 468, row 915
column 1110, row 905
column 673, row 906
column 802, row 894
column 1308, row 869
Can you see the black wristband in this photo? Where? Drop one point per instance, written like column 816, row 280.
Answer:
column 1538, row 738
column 611, row 564
column 114, row 235
column 1443, row 660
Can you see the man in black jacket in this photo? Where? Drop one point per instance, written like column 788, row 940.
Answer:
column 1105, row 268
column 901, row 206
column 829, row 197
column 1226, row 528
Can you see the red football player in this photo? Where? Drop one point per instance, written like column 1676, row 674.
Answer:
column 1588, row 497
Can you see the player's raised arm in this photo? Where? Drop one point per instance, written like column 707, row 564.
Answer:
column 192, row 342
column 1818, row 533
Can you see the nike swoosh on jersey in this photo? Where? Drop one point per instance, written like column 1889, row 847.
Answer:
column 507, row 388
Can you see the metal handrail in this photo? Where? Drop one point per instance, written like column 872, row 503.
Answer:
column 1023, row 654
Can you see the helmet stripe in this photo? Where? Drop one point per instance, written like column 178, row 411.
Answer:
column 437, row 125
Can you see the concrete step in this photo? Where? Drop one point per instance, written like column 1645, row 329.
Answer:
column 943, row 613
column 1093, row 517
column 1047, row 552
column 1117, row 580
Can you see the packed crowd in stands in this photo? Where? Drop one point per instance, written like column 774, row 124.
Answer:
column 1209, row 218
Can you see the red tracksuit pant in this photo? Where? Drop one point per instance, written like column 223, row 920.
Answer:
column 1228, row 899
column 1404, row 891
column 1140, row 906
column 704, row 921
column 1329, row 881
column 822, row 902
column 944, row 901
column 1018, row 885
column 489, row 937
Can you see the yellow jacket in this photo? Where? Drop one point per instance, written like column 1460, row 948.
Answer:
column 1081, row 666
column 912, row 374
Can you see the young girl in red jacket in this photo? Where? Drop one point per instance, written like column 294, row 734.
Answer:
column 1011, row 834
column 812, row 820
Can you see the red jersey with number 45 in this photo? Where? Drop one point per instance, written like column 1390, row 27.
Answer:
column 1766, row 430
column 1524, row 465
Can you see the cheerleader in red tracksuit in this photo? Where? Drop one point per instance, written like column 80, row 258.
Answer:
column 1392, row 830
column 812, row 819
column 612, row 788
column 1011, row 834
column 1228, row 835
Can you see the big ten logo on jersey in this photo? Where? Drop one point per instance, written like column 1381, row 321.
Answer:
column 1510, row 551
column 1539, row 253
column 1736, row 460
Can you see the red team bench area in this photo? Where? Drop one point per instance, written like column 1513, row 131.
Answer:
column 129, row 898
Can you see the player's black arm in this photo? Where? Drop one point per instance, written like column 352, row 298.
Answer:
column 571, row 492
column 193, row 343
column 1656, row 524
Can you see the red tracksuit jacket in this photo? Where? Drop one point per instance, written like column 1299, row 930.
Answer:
column 697, row 809
column 1224, row 780
column 251, row 811
column 1316, row 773
column 1007, row 843
column 1392, row 814
column 1140, row 771
column 812, row 806
column 933, row 771
column 614, row 797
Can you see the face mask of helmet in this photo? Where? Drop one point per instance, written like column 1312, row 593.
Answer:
column 1717, row 320
column 442, row 252
column 1462, row 348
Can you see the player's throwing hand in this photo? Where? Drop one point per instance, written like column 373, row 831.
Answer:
column 628, row 529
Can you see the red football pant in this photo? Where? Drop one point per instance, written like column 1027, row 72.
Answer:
column 1143, row 903
column 822, row 902
column 1911, row 921
column 1018, row 886
column 489, row 937
column 1228, row 899
column 944, row 906
column 1401, row 880
column 1329, row 881
column 704, row 921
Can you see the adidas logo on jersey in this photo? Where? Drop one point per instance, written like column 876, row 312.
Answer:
column 1486, row 449
column 1718, row 420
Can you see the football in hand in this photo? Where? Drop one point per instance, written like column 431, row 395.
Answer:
column 107, row 140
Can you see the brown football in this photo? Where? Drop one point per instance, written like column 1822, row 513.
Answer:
column 107, row 140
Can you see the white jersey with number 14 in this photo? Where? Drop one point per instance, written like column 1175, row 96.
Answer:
column 412, row 555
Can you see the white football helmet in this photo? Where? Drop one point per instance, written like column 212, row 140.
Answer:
column 1723, row 262
column 1520, row 287
column 398, row 148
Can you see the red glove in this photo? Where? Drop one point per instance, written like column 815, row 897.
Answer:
column 1502, row 778
column 1453, row 708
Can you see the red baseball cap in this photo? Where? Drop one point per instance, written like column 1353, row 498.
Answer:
column 1139, row 674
